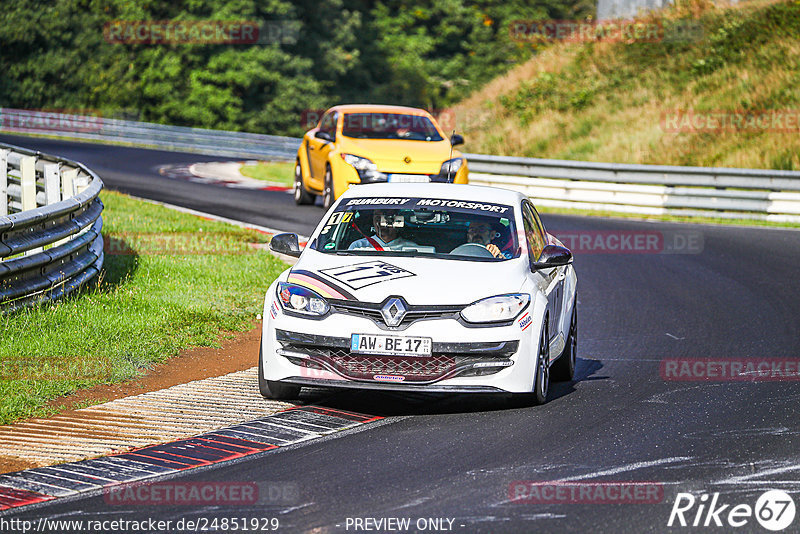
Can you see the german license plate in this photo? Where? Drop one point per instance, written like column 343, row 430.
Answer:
column 409, row 178
column 417, row 347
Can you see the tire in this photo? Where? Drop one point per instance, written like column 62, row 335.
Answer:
column 327, row 189
column 563, row 369
column 274, row 390
column 541, row 384
column 301, row 196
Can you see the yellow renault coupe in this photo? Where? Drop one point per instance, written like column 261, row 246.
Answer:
column 364, row 144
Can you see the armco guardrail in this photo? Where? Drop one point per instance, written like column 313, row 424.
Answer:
column 50, row 242
column 646, row 189
column 215, row 142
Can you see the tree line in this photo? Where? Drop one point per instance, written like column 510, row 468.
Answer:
column 95, row 55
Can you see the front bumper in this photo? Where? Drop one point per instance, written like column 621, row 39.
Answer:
column 378, row 386
column 464, row 359
column 448, row 360
column 348, row 175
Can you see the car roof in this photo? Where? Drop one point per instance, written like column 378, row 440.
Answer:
column 474, row 193
column 378, row 108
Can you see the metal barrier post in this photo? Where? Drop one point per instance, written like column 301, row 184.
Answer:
column 27, row 168
column 3, row 182
column 68, row 183
column 52, row 183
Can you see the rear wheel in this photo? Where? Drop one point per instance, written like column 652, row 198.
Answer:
column 541, row 384
column 301, row 196
column 274, row 390
column 564, row 368
column 327, row 189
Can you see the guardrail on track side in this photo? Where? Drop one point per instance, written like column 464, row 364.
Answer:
column 50, row 222
column 644, row 189
column 182, row 138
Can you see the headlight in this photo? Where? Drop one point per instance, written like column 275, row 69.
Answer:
column 366, row 169
column 299, row 299
column 359, row 163
column 451, row 166
column 496, row 309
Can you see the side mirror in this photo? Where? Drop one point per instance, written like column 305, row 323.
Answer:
column 457, row 140
column 325, row 136
column 285, row 244
column 553, row 256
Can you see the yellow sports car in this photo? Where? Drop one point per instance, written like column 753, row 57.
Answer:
column 361, row 144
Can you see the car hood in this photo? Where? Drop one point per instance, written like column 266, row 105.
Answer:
column 420, row 281
column 390, row 154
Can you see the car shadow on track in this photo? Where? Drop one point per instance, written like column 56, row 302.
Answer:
column 388, row 403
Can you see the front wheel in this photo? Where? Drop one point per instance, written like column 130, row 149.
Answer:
column 541, row 384
column 274, row 390
column 327, row 190
column 301, row 196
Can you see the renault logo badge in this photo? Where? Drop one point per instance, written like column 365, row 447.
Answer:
column 407, row 159
column 393, row 312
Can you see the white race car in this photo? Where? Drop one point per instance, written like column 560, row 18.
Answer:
column 422, row 287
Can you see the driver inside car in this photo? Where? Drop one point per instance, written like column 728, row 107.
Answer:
column 481, row 233
column 387, row 233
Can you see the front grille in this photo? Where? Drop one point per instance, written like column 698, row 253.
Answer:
column 366, row 367
column 447, row 359
column 372, row 311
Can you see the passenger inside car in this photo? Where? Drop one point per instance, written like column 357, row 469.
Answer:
column 387, row 226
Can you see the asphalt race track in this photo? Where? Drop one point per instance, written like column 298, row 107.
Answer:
column 624, row 418
column 135, row 171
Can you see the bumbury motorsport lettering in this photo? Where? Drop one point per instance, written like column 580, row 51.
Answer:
column 378, row 201
column 428, row 202
column 478, row 206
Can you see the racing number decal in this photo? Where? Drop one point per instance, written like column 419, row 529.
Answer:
column 336, row 218
column 366, row 274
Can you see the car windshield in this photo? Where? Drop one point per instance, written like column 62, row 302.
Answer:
column 438, row 228
column 389, row 126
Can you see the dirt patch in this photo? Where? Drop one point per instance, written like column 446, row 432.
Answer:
column 235, row 354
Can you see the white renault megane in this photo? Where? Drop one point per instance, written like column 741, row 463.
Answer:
column 422, row 287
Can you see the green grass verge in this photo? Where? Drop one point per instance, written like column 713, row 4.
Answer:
column 170, row 281
column 276, row 172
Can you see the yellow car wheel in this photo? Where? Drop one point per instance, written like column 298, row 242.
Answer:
column 328, row 195
column 301, row 196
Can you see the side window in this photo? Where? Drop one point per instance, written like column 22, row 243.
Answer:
column 533, row 232
column 539, row 223
column 328, row 124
